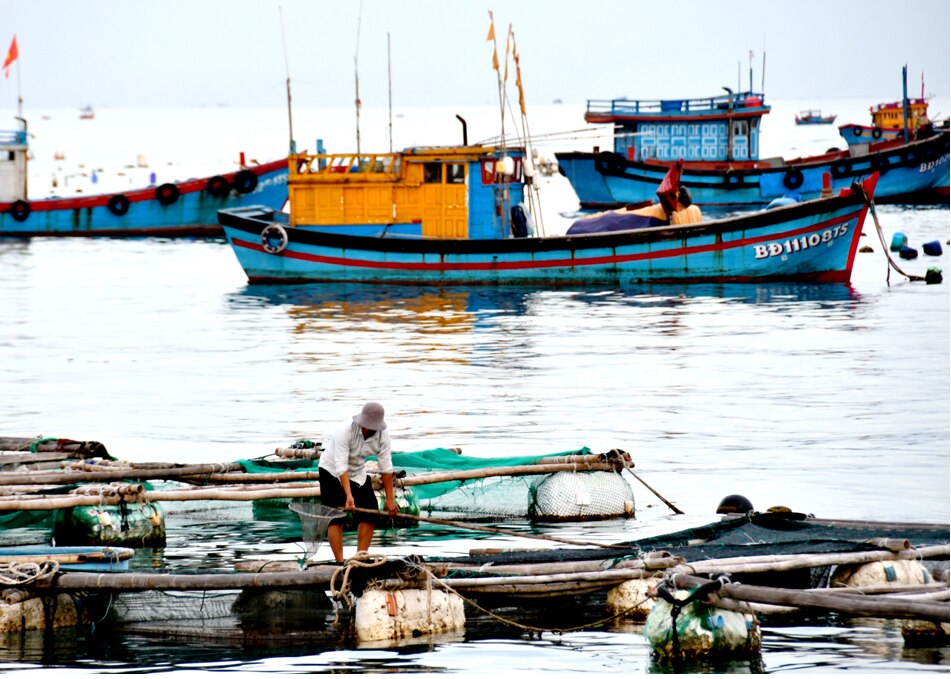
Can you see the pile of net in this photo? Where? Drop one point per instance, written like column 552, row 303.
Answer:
column 575, row 485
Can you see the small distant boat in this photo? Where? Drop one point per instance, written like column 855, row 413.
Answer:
column 86, row 113
column 814, row 117
column 185, row 208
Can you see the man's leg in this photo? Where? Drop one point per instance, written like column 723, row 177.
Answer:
column 335, row 538
column 364, row 536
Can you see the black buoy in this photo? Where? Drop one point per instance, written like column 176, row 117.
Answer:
column 933, row 275
column 734, row 504
column 908, row 253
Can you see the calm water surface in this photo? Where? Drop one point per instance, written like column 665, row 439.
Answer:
column 831, row 399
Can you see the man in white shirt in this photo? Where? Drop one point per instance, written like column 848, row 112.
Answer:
column 343, row 476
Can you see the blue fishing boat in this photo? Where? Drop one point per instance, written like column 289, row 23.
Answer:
column 457, row 215
column 718, row 138
column 187, row 208
column 814, row 117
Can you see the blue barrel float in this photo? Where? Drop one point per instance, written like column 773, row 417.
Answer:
column 908, row 253
column 932, row 248
column 899, row 240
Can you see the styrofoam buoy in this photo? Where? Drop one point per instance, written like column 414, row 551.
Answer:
column 633, row 598
column 31, row 614
column 407, row 613
column 932, row 248
column 908, row 253
column 899, row 240
column 882, row 573
column 693, row 630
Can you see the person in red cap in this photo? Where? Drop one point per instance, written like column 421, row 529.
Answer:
column 343, row 476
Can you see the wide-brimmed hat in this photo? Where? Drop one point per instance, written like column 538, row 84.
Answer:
column 371, row 417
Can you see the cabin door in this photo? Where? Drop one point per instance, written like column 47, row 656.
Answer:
column 444, row 206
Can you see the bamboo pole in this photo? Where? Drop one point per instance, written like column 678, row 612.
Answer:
column 313, row 577
column 564, row 567
column 869, row 605
column 758, row 564
column 131, row 471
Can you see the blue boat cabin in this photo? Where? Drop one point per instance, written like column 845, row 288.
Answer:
column 715, row 129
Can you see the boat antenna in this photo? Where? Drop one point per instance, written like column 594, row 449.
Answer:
column 356, row 76
column 389, row 87
column 751, row 70
column 762, row 82
column 287, row 70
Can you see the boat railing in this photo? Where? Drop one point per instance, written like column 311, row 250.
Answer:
column 380, row 166
column 12, row 138
column 641, row 106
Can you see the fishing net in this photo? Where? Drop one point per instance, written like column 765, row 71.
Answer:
column 315, row 518
column 480, row 489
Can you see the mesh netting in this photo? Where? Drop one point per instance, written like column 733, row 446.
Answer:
column 315, row 518
column 558, row 496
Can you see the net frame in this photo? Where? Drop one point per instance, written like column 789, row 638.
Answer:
column 315, row 519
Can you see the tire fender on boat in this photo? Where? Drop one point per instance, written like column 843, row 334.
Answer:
column 217, row 186
column 877, row 133
column 274, row 238
column 881, row 165
column 118, row 205
column 245, row 181
column 20, row 210
column 167, row 194
column 858, row 131
column 841, row 168
column 793, row 178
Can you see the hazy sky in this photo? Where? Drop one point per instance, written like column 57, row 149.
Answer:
column 138, row 53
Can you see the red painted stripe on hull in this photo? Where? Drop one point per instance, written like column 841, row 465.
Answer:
column 570, row 262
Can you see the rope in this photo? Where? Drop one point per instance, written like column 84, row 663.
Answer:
column 432, row 578
column 19, row 574
column 881, row 236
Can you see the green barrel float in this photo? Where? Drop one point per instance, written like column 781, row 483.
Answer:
column 133, row 524
column 681, row 627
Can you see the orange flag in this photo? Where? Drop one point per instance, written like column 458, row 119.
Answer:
column 12, row 54
column 491, row 37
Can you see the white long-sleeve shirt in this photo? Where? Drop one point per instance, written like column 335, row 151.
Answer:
column 348, row 452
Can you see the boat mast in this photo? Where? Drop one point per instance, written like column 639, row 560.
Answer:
column 904, row 100
column 292, row 147
column 356, row 76
column 389, row 87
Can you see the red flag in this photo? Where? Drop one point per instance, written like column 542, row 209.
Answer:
column 669, row 189
column 12, row 54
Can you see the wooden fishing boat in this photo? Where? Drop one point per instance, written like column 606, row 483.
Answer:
column 99, row 559
column 186, row 208
column 387, row 224
column 904, row 119
column 718, row 138
column 814, row 117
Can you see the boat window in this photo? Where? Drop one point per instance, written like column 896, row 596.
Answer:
column 432, row 173
column 455, row 173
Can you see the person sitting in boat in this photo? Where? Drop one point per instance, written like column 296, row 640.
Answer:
column 675, row 207
column 343, row 475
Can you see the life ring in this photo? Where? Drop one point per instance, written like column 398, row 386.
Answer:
column 217, row 186
column 858, row 130
column 20, row 210
column 118, row 205
column 841, row 168
column 245, row 181
column 167, row 194
column 274, row 238
column 877, row 133
column 793, row 178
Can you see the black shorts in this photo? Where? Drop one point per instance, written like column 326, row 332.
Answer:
column 332, row 495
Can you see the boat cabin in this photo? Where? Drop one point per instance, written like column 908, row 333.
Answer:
column 445, row 192
column 13, row 159
column 891, row 116
column 722, row 128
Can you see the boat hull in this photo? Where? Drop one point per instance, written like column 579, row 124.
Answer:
column 908, row 173
column 810, row 241
column 144, row 212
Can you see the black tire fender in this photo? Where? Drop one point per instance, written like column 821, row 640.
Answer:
column 167, row 194
column 245, row 181
column 20, row 210
column 118, row 205
column 793, row 178
column 217, row 186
